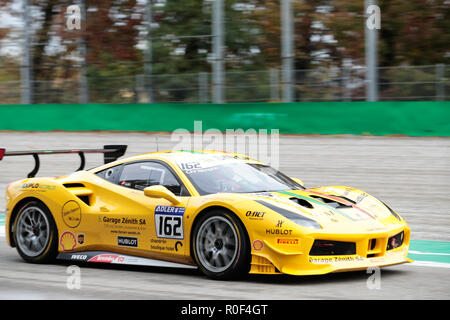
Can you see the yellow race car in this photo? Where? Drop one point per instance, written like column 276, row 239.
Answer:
column 224, row 213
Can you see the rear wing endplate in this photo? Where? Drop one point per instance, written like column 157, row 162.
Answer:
column 111, row 153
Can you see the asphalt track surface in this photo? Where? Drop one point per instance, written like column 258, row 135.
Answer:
column 410, row 174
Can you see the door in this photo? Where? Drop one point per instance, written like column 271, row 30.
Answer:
column 134, row 223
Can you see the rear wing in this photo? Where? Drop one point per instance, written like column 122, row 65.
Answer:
column 111, row 153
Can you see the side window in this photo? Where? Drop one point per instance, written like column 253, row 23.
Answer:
column 140, row 175
column 110, row 174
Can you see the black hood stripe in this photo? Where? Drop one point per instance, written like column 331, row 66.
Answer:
column 285, row 213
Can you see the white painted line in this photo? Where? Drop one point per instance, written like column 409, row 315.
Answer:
column 438, row 254
column 429, row 264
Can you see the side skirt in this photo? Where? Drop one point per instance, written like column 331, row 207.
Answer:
column 116, row 258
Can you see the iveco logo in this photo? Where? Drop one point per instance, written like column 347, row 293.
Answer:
column 78, row 257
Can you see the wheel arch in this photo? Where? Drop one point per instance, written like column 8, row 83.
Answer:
column 14, row 213
column 204, row 212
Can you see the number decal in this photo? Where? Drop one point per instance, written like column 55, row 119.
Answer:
column 190, row 165
column 177, row 228
column 169, row 222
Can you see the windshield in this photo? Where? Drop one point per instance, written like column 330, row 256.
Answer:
column 236, row 176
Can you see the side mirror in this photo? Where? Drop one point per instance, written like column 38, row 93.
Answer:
column 161, row 192
column 300, row 182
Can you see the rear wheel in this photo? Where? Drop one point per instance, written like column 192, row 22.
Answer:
column 35, row 233
column 220, row 246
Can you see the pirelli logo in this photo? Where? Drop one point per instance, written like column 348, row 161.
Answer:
column 287, row 241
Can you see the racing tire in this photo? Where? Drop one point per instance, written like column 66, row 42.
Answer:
column 35, row 233
column 220, row 246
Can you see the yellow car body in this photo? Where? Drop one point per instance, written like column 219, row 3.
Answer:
column 101, row 221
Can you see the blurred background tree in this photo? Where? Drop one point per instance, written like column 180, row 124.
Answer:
column 327, row 34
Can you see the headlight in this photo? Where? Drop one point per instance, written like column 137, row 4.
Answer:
column 395, row 241
column 294, row 217
column 393, row 212
column 307, row 223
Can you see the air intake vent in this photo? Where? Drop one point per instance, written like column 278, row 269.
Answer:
column 302, row 202
column 332, row 248
column 85, row 199
column 331, row 202
column 79, row 190
column 346, row 199
column 74, row 185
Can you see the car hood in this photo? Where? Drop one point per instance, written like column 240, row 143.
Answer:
column 333, row 208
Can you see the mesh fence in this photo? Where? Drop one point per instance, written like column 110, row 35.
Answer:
column 423, row 83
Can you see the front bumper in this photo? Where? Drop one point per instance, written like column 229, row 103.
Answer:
column 372, row 250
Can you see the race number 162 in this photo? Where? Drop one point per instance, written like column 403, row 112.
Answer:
column 169, row 226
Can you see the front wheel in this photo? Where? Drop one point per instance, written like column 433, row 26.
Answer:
column 220, row 246
column 35, row 233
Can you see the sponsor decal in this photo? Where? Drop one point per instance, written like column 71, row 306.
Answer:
column 158, row 244
column 258, row 245
column 123, row 226
column 190, row 165
column 127, row 241
column 80, row 238
column 170, row 209
column 37, row 187
column 279, row 232
column 71, row 214
column 288, row 241
column 123, row 220
column 330, row 260
column 108, row 258
column 361, row 197
column 169, row 222
column 255, row 215
column 80, row 257
column 178, row 243
column 163, row 245
column 279, row 224
column 67, row 241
